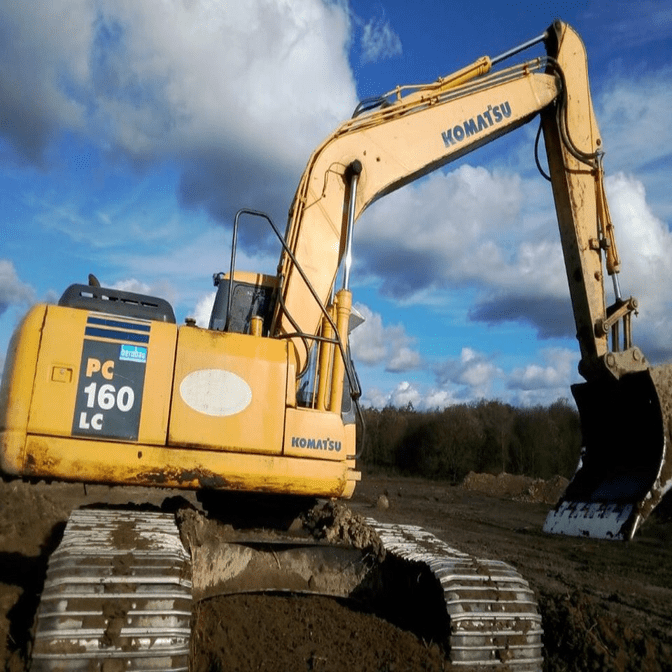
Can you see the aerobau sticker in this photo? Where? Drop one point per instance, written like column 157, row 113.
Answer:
column 215, row 392
column 109, row 391
column 133, row 353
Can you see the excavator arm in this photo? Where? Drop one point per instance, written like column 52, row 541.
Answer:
column 575, row 153
column 413, row 130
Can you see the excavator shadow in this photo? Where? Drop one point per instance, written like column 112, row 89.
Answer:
column 28, row 574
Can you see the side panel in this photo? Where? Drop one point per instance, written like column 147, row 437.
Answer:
column 17, row 390
column 229, row 392
column 316, row 434
column 103, row 377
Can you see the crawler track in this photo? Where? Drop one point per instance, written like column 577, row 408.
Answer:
column 117, row 595
column 493, row 618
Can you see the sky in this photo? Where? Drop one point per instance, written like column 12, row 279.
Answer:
column 131, row 133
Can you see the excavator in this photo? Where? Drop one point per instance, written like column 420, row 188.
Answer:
column 105, row 387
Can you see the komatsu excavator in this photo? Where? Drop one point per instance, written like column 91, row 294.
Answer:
column 105, row 387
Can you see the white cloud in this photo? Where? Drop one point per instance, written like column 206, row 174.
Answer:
column 374, row 397
column 404, row 359
column 440, row 398
column 237, row 94
column 474, row 228
column 645, row 246
column 632, row 116
column 374, row 343
column 474, row 372
column 159, row 287
column 203, row 309
column 557, row 374
column 183, row 271
column 439, row 230
column 12, row 290
column 132, row 285
column 404, row 394
column 379, row 41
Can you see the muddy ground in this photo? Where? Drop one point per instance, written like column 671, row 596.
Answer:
column 605, row 606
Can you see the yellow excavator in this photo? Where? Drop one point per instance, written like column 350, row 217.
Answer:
column 105, row 387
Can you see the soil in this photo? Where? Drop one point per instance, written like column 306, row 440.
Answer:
column 604, row 605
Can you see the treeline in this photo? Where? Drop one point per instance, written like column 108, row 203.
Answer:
column 488, row 436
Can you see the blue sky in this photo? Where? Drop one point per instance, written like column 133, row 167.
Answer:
column 130, row 133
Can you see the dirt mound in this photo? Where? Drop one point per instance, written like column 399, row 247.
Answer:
column 31, row 522
column 336, row 523
column 520, row 488
column 582, row 635
column 278, row 633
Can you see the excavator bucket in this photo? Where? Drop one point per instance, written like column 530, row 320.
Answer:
column 625, row 467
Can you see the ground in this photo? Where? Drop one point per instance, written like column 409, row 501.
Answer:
column 604, row 605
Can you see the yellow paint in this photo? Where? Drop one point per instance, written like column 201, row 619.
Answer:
column 316, row 434
column 125, row 463
column 158, row 384
column 260, row 362
column 38, row 399
column 16, row 391
column 54, row 395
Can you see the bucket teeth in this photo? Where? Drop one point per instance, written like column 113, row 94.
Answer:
column 592, row 519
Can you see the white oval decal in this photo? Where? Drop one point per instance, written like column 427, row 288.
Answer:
column 215, row 392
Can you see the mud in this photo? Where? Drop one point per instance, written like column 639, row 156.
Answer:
column 252, row 632
column 605, row 606
column 336, row 523
column 521, row 488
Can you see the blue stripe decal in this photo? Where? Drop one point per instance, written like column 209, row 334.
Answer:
column 118, row 335
column 114, row 323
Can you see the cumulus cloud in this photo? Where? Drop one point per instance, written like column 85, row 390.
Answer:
column 237, row 94
column 475, row 228
column 374, row 343
column 203, row 309
column 546, row 381
column 12, row 290
column 632, row 117
column 556, row 373
column 474, row 372
column 132, row 285
column 439, row 230
column 403, row 394
column 645, row 247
